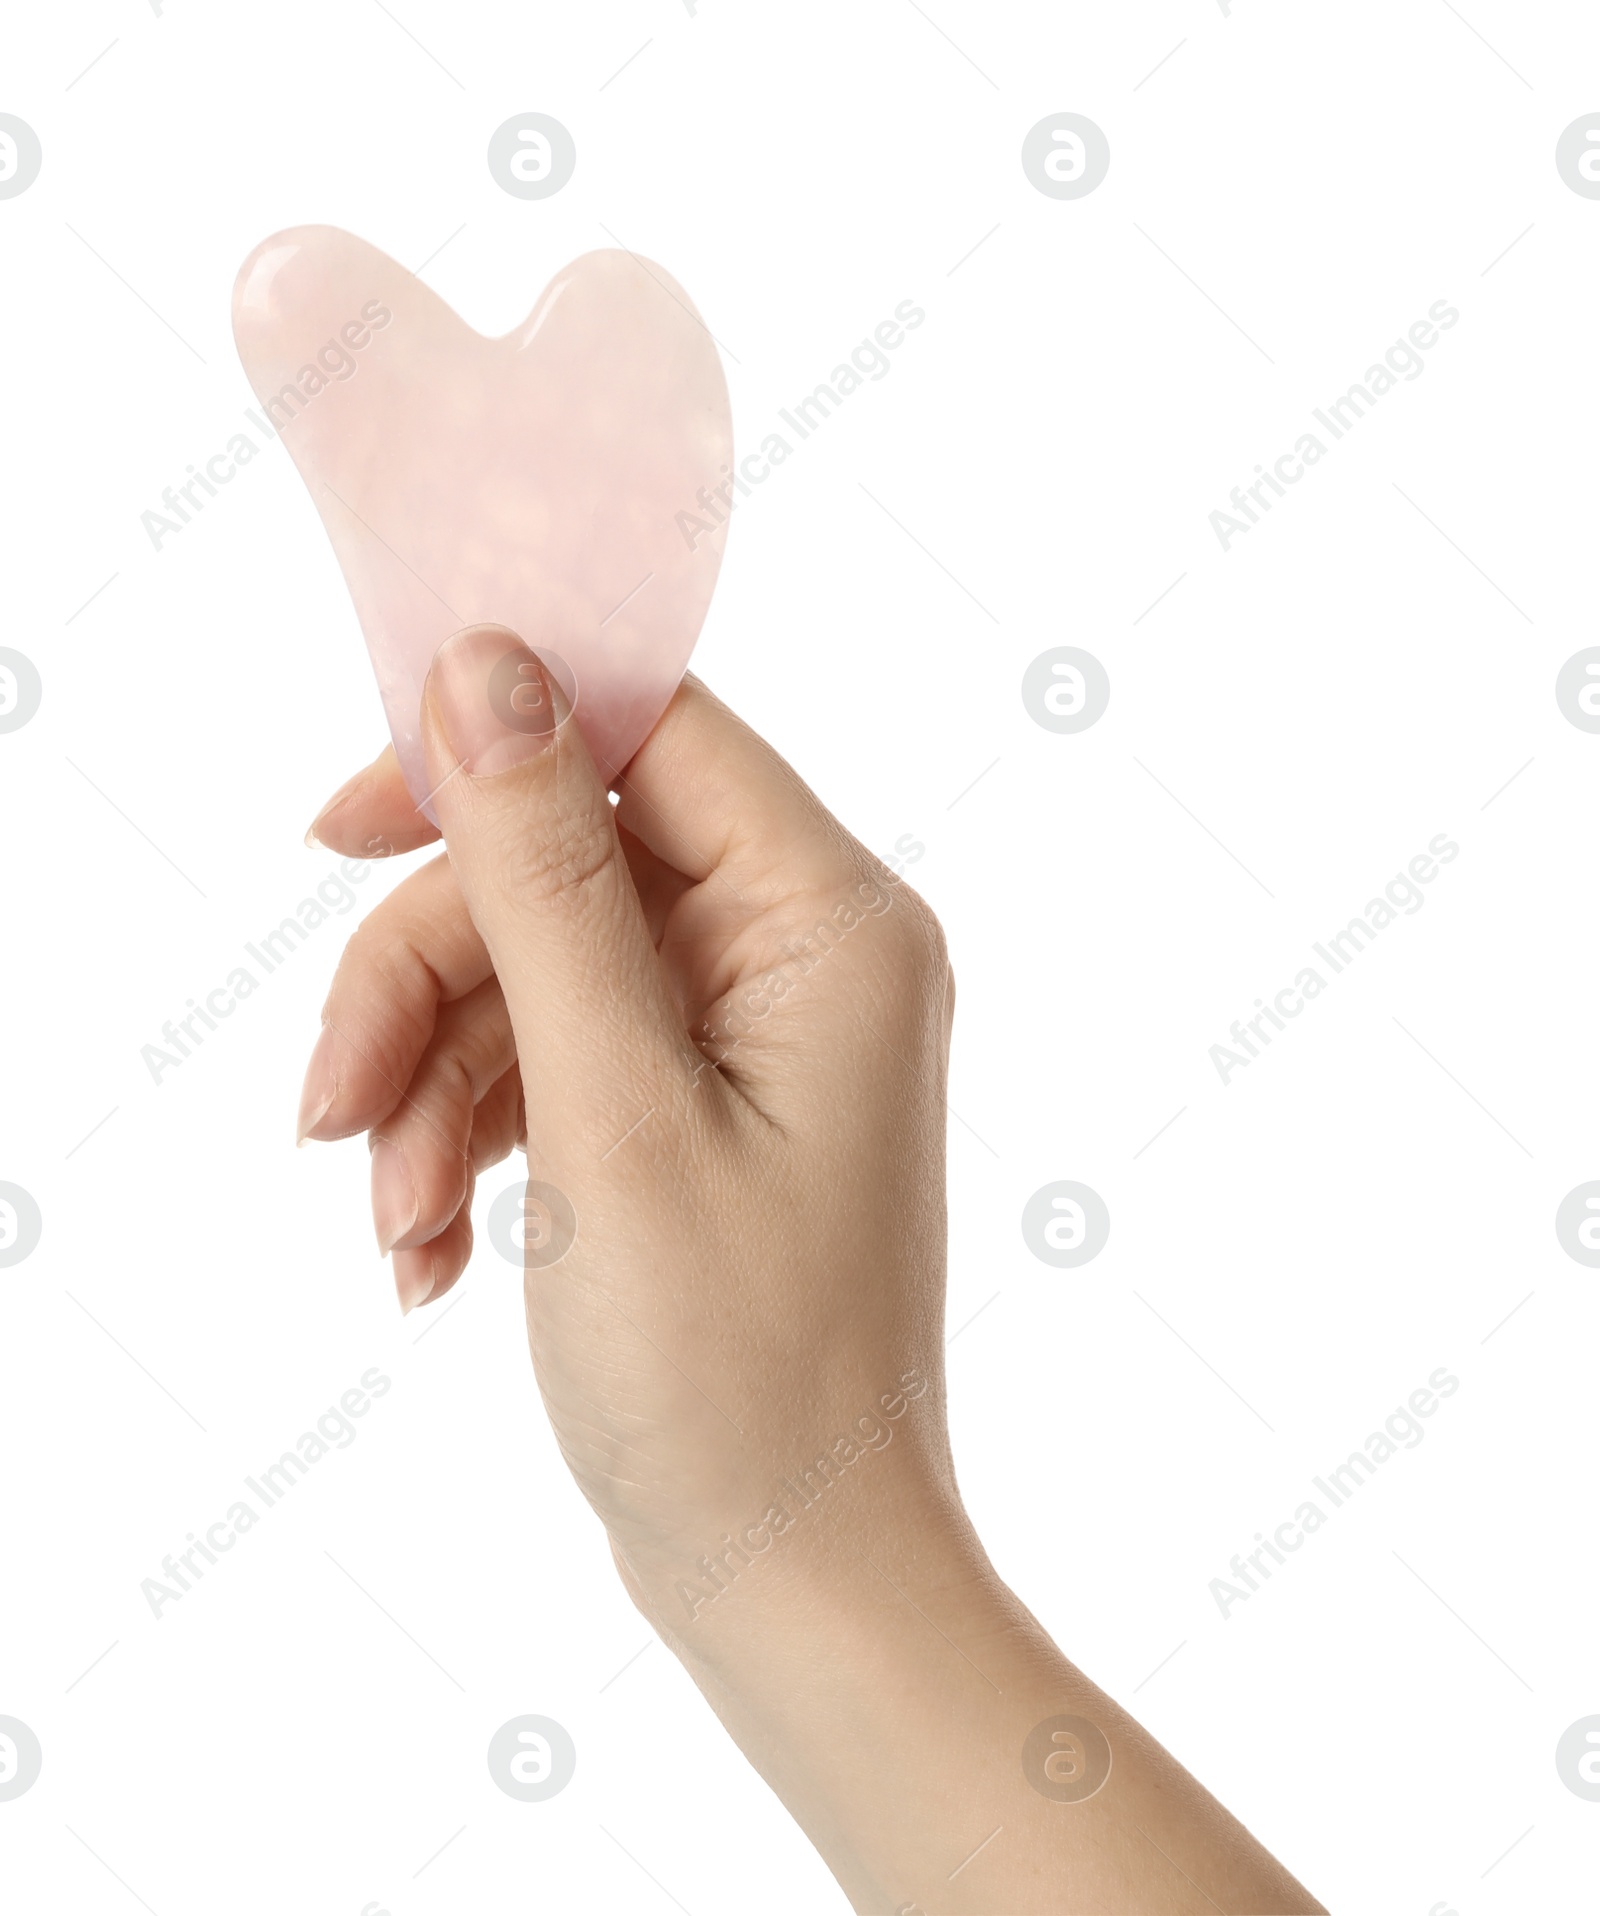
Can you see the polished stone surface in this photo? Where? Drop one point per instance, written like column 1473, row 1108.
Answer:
column 555, row 480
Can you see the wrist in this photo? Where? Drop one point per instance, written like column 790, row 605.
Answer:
column 866, row 1679
column 768, row 1532
column 832, row 1571
column 798, row 1550
column 928, row 1736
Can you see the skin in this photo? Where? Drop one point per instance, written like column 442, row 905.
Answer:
column 747, row 1117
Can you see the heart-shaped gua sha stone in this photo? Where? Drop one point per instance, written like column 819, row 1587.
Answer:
column 555, row 480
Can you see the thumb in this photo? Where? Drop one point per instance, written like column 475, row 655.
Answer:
column 535, row 850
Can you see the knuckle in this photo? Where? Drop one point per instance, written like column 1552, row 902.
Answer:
column 376, row 963
column 382, row 1003
column 494, row 1134
column 473, row 1047
column 922, row 940
column 396, row 996
column 449, row 1095
column 442, row 1179
column 574, row 864
column 917, row 976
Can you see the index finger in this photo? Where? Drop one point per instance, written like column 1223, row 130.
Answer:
column 371, row 815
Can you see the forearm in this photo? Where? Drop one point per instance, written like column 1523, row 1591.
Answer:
column 761, row 1255
column 902, row 1704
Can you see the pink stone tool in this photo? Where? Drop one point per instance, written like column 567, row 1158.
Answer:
column 554, row 480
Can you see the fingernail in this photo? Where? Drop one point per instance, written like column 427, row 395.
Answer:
column 394, row 1196
column 499, row 705
column 337, row 803
column 413, row 1278
column 321, row 1086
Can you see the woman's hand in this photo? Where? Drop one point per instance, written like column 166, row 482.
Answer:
column 722, row 1029
column 727, row 1020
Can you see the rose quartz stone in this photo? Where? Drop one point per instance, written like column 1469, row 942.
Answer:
column 561, row 480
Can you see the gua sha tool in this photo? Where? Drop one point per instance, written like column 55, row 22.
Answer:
column 554, row 480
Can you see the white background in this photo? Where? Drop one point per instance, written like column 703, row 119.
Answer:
column 1289, row 726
